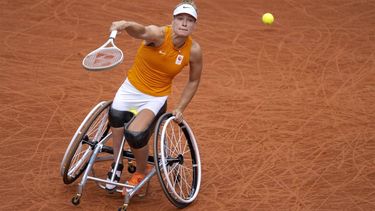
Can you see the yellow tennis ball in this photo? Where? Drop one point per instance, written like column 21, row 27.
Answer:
column 268, row 18
column 134, row 111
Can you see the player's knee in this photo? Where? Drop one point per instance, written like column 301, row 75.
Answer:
column 118, row 118
column 137, row 139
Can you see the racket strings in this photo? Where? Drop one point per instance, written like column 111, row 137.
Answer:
column 103, row 58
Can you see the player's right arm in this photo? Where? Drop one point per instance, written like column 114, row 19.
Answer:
column 151, row 34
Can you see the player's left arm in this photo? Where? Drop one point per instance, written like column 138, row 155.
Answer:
column 196, row 65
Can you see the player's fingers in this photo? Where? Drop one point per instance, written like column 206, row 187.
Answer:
column 115, row 26
column 178, row 117
column 118, row 25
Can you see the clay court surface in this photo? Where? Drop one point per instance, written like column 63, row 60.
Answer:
column 284, row 116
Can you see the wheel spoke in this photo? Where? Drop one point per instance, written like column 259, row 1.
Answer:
column 171, row 169
column 179, row 140
column 184, row 179
column 185, row 150
column 180, row 183
column 84, row 157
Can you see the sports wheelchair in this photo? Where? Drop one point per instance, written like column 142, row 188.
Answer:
column 175, row 158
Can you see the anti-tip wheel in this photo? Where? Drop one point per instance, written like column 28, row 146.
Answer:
column 123, row 207
column 131, row 168
column 76, row 200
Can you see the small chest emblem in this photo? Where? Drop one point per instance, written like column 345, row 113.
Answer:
column 179, row 59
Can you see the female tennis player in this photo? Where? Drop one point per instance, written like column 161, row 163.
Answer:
column 163, row 53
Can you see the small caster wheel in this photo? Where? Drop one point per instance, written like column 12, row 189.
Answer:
column 76, row 200
column 131, row 168
column 123, row 207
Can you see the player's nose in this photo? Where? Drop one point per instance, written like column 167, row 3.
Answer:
column 184, row 22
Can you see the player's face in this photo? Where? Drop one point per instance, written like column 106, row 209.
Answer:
column 183, row 24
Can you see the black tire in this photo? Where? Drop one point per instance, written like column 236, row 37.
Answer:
column 80, row 149
column 177, row 160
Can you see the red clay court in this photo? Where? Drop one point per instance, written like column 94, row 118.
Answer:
column 284, row 115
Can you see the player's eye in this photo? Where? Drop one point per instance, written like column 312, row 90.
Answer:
column 179, row 17
column 191, row 20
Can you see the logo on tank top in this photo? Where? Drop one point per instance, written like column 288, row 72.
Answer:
column 179, row 59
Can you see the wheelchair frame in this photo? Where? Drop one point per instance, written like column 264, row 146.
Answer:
column 170, row 160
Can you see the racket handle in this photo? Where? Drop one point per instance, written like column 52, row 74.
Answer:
column 113, row 34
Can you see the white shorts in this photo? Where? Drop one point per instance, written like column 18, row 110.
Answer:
column 128, row 97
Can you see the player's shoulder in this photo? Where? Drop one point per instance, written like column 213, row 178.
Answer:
column 156, row 33
column 195, row 47
column 195, row 51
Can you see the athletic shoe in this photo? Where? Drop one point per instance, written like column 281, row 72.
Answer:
column 134, row 181
column 110, row 187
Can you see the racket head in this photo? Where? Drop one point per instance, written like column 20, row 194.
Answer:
column 103, row 58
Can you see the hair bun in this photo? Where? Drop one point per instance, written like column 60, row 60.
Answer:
column 187, row 1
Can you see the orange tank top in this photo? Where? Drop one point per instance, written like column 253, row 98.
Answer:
column 155, row 67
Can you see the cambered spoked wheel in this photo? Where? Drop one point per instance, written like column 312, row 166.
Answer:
column 177, row 160
column 94, row 128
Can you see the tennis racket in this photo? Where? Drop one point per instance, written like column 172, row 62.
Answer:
column 105, row 57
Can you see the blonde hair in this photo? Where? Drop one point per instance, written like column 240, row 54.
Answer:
column 191, row 2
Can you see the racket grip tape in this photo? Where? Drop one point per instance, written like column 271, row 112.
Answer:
column 113, row 34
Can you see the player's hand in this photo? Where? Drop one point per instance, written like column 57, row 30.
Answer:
column 178, row 115
column 118, row 25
